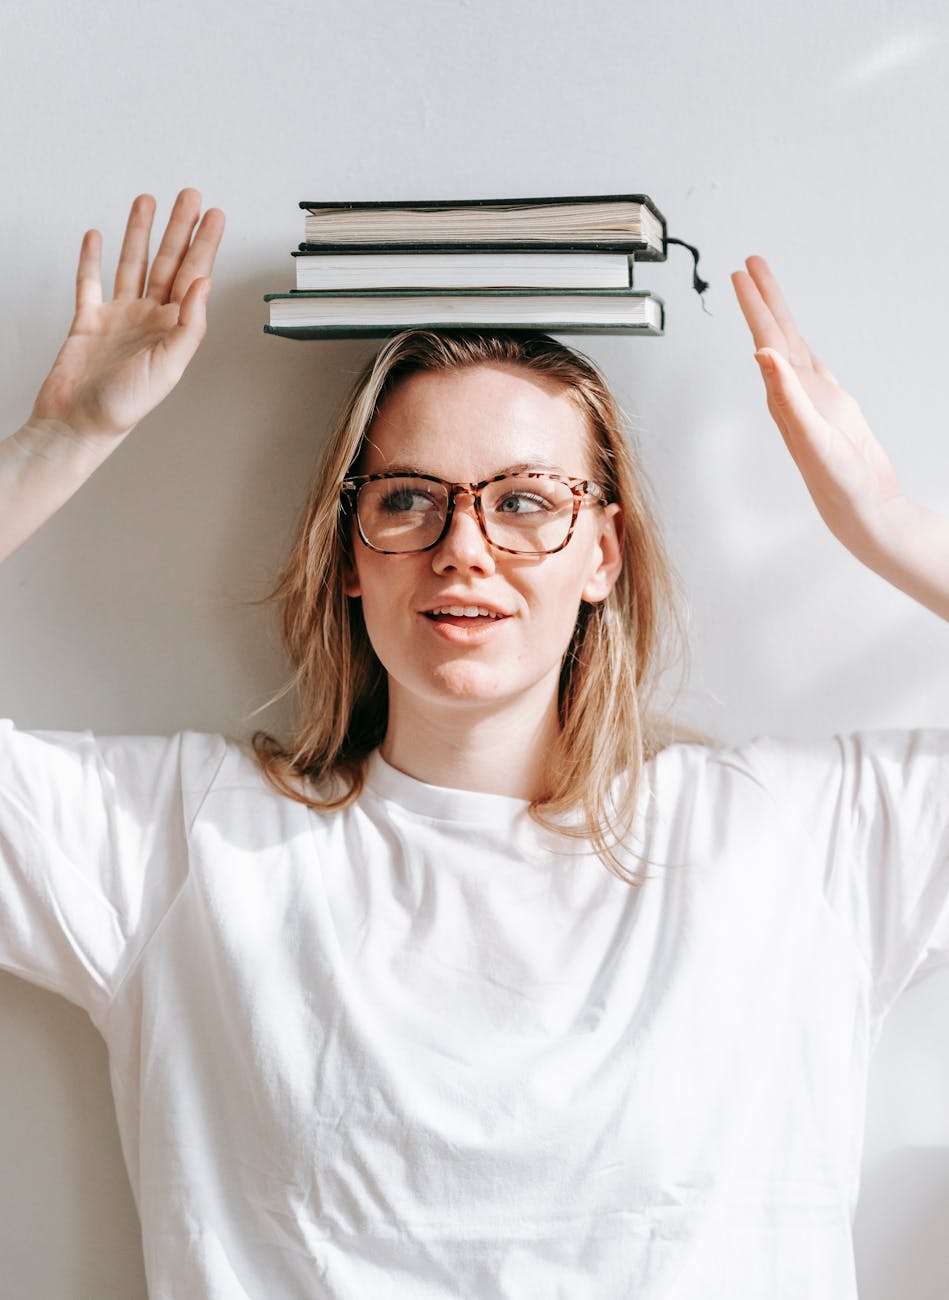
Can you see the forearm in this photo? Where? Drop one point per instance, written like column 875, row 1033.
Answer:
column 910, row 549
column 41, row 466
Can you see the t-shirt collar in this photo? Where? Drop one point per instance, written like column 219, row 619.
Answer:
column 439, row 801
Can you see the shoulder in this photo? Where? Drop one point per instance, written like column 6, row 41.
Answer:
column 772, row 760
column 142, row 772
column 763, row 763
column 809, row 782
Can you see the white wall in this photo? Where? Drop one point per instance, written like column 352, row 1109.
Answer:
column 815, row 132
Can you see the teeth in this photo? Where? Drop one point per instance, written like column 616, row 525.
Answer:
column 466, row 611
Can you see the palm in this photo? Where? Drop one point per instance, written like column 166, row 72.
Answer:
column 123, row 356
column 112, row 367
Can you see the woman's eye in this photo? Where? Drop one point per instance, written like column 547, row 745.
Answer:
column 405, row 501
column 520, row 503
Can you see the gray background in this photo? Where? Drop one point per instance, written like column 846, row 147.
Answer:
column 814, row 133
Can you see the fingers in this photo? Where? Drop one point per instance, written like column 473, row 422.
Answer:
column 766, row 312
column 133, row 258
column 771, row 294
column 199, row 259
column 174, row 245
column 180, row 261
column 769, row 318
column 182, row 342
column 89, row 271
column 799, row 422
column 765, row 330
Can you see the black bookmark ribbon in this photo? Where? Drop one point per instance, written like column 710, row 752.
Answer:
column 698, row 284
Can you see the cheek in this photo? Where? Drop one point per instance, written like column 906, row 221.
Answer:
column 557, row 601
column 363, row 582
column 384, row 590
column 573, row 572
column 377, row 617
column 367, row 573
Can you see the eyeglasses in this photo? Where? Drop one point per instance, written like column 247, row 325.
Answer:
column 528, row 513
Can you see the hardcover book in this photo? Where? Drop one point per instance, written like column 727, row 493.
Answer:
column 629, row 223
column 357, row 269
column 376, row 313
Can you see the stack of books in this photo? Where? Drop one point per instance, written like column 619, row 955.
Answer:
column 561, row 265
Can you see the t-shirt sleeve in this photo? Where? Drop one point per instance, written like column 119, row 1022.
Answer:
column 875, row 806
column 93, row 850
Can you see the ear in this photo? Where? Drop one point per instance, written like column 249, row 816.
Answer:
column 351, row 585
column 350, row 569
column 607, row 558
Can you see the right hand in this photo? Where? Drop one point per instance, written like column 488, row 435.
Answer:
column 847, row 472
column 122, row 357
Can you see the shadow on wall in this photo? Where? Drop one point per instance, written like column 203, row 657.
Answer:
column 68, row 1226
column 904, row 1197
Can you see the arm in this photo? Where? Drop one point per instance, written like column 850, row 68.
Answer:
column 121, row 358
column 845, row 469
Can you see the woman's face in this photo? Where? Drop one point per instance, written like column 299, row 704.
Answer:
column 464, row 426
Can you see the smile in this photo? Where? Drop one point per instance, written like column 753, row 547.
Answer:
column 463, row 611
column 465, row 626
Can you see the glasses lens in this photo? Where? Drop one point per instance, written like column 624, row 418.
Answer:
column 530, row 512
column 401, row 514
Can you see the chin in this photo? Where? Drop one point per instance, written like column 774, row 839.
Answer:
column 468, row 682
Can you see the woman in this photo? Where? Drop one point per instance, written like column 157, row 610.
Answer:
column 385, row 1013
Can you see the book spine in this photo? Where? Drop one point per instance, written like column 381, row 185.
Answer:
column 437, row 205
column 328, row 249
column 637, row 248
column 387, row 331
column 460, row 293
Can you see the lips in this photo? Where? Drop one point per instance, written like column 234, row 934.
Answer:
column 461, row 609
column 464, row 611
column 463, row 622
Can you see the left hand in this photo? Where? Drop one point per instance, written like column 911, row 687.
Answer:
column 846, row 471
column 124, row 355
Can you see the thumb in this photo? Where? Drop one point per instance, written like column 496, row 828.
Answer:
column 180, row 345
column 786, row 395
column 805, row 431
column 191, row 313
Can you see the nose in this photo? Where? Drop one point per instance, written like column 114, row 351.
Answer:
column 464, row 547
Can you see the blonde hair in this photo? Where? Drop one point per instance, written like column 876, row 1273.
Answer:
column 618, row 652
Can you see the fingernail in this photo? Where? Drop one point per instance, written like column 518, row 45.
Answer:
column 765, row 363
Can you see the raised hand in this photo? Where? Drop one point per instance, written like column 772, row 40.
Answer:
column 120, row 359
column 846, row 471
column 123, row 356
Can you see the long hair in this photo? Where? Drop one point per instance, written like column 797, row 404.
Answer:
column 619, row 650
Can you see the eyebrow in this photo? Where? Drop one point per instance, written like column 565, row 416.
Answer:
column 538, row 463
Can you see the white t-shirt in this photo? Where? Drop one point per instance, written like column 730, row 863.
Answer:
column 419, row 1049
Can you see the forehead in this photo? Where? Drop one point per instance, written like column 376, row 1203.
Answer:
column 469, row 423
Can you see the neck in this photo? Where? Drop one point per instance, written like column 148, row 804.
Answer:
column 496, row 748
